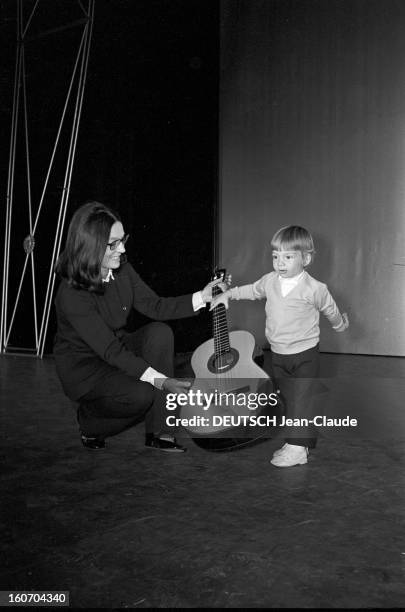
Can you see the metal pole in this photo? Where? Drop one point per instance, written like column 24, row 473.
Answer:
column 10, row 180
column 81, row 60
column 68, row 175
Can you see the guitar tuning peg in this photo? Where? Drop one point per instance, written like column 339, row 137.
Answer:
column 219, row 273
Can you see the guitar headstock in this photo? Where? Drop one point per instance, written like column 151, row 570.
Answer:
column 226, row 280
column 219, row 273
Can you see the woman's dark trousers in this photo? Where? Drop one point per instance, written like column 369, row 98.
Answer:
column 120, row 401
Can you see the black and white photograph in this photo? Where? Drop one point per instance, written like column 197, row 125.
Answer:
column 202, row 332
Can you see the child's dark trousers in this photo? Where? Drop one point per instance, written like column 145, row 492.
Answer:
column 295, row 375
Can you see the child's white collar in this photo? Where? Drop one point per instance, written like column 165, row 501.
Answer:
column 293, row 280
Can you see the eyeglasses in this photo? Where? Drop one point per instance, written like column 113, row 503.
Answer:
column 116, row 243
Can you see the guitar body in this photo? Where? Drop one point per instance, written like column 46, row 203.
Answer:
column 241, row 366
column 240, row 375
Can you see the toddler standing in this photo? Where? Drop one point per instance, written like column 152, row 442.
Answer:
column 294, row 300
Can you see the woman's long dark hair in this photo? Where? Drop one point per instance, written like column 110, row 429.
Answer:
column 88, row 234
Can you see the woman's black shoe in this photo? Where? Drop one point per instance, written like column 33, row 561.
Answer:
column 93, row 443
column 168, row 445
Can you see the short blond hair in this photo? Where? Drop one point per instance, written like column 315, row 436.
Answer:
column 293, row 238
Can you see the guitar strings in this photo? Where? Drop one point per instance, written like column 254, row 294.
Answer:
column 221, row 343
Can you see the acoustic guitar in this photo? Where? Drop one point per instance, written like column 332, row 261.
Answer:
column 224, row 367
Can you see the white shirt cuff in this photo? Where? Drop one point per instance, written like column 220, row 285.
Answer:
column 153, row 377
column 198, row 301
column 235, row 293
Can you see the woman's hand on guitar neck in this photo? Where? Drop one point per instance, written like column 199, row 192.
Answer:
column 223, row 298
column 218, row 282
column 174, row 385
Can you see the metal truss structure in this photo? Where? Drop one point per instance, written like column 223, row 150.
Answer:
column 29, row 31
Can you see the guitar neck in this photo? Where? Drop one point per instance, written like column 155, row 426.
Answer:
column 220, row 327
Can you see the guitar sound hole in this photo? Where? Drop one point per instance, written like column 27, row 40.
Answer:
column 223, row 363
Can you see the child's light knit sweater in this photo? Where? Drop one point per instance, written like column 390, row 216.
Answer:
column 292, row 322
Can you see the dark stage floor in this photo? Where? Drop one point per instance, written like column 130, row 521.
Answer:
column 131, row 527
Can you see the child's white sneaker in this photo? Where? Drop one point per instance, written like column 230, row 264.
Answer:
column 280, row 450
column 290, row 455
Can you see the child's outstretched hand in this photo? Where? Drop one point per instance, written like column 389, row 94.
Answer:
column 345, row 323
column 222, row 284
column 223, row 298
